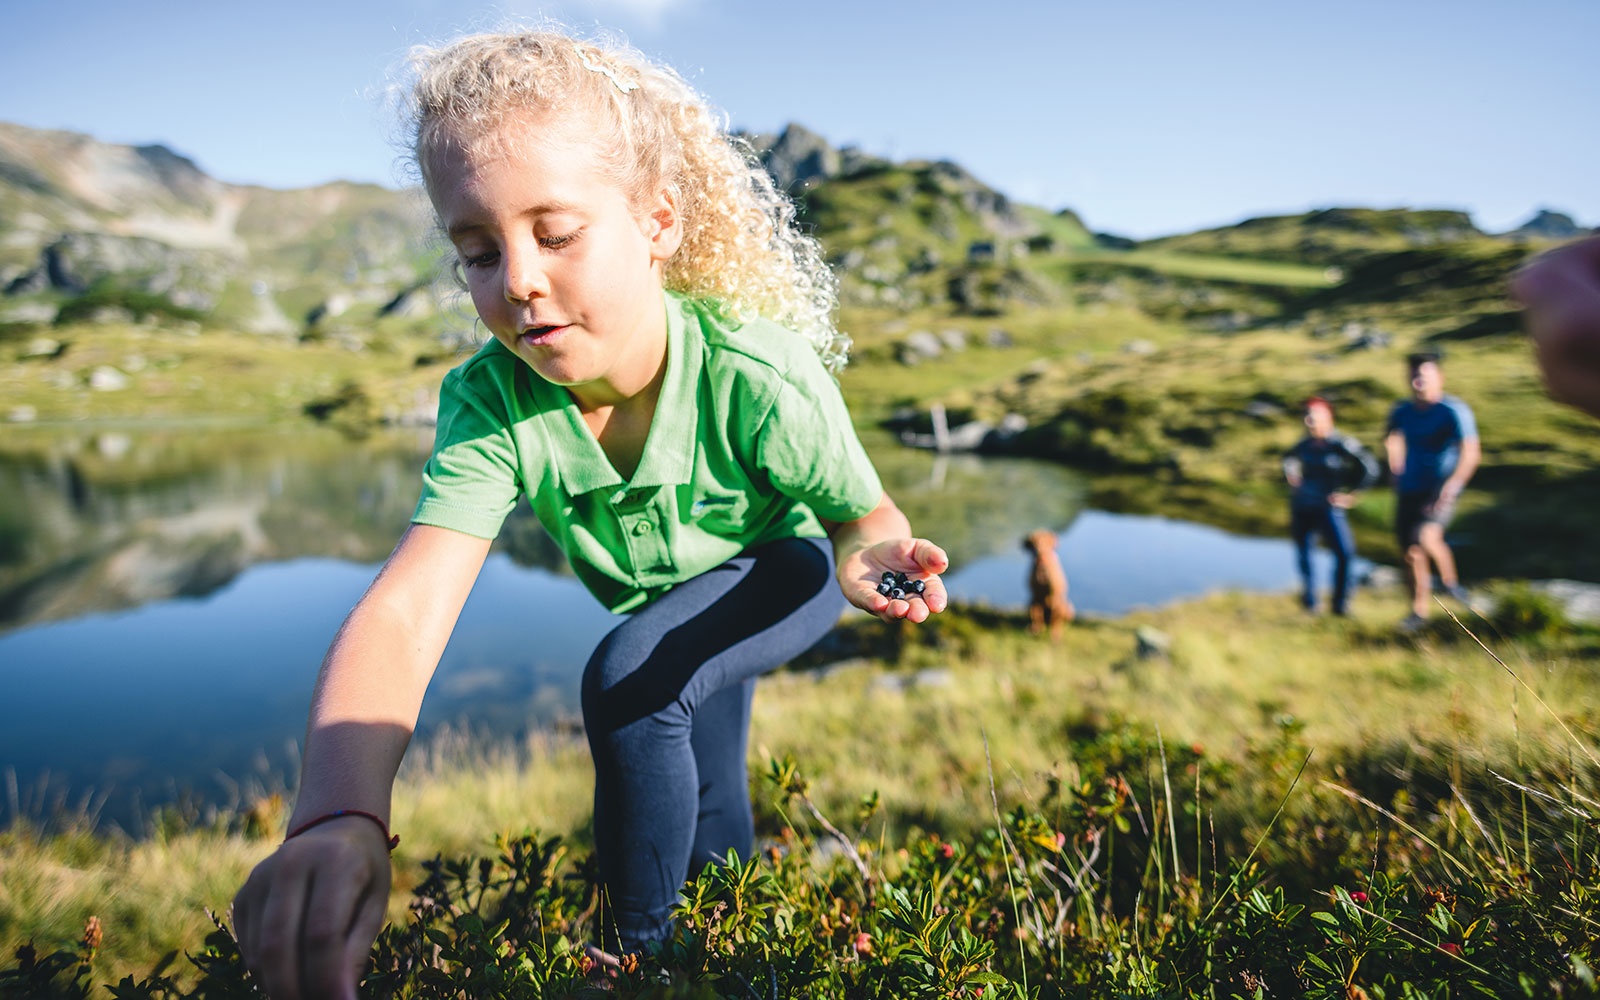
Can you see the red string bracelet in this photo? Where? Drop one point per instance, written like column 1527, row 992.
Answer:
column 393, row 841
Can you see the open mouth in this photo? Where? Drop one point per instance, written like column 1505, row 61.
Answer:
column 539, row 335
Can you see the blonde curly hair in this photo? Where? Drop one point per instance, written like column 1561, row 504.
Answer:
column 741, row 246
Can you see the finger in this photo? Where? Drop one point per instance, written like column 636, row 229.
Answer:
column 1577, row 262
column 895, row 610
column 1572, row 384
column 325, row 942
column 277, row 946
column 929, row 557
column 369, row 916
column 868, row 600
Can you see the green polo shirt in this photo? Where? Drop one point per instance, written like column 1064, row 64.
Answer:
column 750, row 443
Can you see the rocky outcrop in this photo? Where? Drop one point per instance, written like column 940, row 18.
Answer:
column 145, row 230
column 76, row 262
column 797, row 157
column 1548, row 225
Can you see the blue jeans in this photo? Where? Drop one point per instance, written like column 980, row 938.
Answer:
column 666, row 703
column 1328, row 521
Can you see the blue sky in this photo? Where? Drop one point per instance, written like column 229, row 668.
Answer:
column 1146, row 117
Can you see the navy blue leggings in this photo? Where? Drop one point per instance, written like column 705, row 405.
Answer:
column 666, row 703
column 1328, row 521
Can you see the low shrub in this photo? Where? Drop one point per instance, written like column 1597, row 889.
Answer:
column 1036, row 905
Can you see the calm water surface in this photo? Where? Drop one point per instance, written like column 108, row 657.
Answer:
column 166, row 598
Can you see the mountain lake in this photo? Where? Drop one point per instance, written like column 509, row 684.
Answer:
column 167, row 593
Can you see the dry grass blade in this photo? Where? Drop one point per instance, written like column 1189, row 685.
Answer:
column 1524, row 684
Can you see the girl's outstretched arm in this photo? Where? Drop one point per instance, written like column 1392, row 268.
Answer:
column 866, row 548
column 308, row 914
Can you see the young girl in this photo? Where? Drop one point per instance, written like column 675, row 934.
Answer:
column 658, row 386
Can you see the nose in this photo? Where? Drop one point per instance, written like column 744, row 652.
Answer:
column 525, row 277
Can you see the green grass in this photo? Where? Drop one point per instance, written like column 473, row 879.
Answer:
column 927, row 720
column 1210, row 268
column 178, row 374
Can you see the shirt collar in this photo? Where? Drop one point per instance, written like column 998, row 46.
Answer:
column 669, row 450
column 668, row 457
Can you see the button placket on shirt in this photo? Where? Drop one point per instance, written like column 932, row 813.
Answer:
column 639, row 515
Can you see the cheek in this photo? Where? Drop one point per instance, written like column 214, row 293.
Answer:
column 481, row 295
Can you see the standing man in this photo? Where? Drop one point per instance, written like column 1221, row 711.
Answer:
column 1325, row 470
column 1432, row 446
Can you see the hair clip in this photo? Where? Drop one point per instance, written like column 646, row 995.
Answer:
column 623, row 85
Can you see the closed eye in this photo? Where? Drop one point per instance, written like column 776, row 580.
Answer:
column 559, row 242
column 481, row 259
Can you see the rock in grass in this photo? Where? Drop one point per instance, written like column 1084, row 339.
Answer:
column 1151, row 643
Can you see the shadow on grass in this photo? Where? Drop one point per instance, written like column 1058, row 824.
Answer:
column 1542, row 525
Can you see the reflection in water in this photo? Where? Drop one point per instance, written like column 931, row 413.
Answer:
column 102, row 523
column 976, row 507
column 106, row 522
column 166, row 598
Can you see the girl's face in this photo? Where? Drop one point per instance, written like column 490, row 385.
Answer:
column 1319, row 421
column 563, row 268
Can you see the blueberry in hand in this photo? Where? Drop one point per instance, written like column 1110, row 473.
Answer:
column 917, row 586
column 896, row 594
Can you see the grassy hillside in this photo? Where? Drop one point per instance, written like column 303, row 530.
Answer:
column 1330, row 236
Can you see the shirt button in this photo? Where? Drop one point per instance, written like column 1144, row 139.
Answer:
column 643, row 528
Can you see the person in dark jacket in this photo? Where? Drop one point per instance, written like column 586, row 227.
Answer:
column 1326, row 470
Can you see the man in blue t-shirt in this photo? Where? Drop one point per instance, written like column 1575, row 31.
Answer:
column 1432, row 444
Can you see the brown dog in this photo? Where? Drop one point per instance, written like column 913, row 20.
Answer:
column 1047, row 586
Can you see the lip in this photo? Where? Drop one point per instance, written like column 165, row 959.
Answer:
column 539, row 336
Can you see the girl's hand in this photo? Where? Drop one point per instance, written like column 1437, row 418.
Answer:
column 862, row 571
column 308, row 915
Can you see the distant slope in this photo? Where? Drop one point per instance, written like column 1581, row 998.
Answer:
column 1327, row 236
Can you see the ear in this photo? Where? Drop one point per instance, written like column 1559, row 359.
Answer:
column 662, row 226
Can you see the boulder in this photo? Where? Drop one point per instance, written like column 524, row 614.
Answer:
column 105, row 378
column 918, row 346
column 1581, row 601
column 1151, row 643
column 42, row 347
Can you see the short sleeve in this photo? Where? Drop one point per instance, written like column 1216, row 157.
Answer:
column 1466, row 423
column 470, row 483
column 1393, row 423
column 808, row 448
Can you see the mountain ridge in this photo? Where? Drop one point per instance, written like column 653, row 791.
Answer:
column 81, row 216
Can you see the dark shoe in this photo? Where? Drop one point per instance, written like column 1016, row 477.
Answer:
column 1412, row 624
column 1458, row 593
